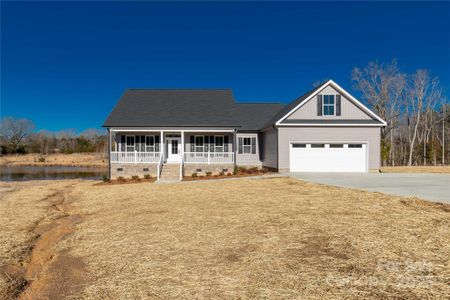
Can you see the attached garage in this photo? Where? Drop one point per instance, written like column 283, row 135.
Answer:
column 328, row 157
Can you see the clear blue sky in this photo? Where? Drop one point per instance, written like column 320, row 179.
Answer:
column 64, row 65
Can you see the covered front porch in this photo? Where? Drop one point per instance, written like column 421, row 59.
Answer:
column 172, row 146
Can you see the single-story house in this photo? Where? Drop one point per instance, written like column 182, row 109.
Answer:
column 168, row 133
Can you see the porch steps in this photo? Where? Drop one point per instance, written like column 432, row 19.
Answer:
column 170, row 173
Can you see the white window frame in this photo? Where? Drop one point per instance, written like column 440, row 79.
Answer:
column 216, row 147
column 150, row 147
column 126, row 143
column 202, row 147
column 249, row 145
column 329, row 105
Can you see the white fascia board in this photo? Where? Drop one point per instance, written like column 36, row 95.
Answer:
column 329, row 125
column 342, row 91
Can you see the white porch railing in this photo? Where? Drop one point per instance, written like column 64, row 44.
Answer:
column 135, row 157
column 209, row 157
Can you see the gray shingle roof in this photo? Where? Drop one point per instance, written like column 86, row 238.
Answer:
column 188, row 107
column 172, row 107
column 287, row 108
column 253, row 116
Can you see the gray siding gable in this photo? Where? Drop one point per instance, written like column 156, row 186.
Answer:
column 349, row 110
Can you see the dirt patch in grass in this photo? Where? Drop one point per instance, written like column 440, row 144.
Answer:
column 39, row 269
column 416, row 169
column 279, row 238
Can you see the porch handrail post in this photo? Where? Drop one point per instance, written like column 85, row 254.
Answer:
column 135, row 156
column 209, row 157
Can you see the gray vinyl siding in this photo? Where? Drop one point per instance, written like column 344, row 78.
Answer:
column 270, row 148
column 349, row 111
column 371, row 135
column 248, row 159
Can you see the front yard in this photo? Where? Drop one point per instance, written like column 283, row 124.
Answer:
column 247, row 238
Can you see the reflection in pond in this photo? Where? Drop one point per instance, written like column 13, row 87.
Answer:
column 15, row 173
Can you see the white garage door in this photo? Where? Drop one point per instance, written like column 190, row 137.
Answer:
column 328, row 157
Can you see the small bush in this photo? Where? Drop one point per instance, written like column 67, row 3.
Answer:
column 135, row 177
column 264, row 170
column 229, row 174
column 41, row 159
column 209, row 173
column 235, row 170
column 222, row 173
column 253, row 170
column 120, row 178
column 194, row 175
column 242, row 170
column 147, row 176
column 105, row 178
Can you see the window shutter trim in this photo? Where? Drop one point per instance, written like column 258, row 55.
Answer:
column 211, row 143
column 319, row 105
column 253, row 145
column 122, row 143
column 157, row 143
column 240, row 145
column 225, row 143
column 338, row 105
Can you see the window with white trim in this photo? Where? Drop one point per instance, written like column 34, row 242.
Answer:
column 149, row 143
column 218, row 143
column 247, row 145
column 199, row 143
column 328, row 105
column 130, row 143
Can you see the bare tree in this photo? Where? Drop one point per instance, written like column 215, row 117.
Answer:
column 424, row 92
column 92, row 134
column 443, row 119
column 382, row 86
column 13, row 132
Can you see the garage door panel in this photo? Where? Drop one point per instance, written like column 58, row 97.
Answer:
column 328, row 159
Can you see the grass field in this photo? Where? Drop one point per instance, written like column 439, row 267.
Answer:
column 75, row 159
column 269, row 238
column 416, row 169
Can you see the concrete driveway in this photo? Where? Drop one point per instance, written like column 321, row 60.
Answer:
column 435, row 187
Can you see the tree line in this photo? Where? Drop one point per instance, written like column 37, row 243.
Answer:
column 415, row 109
column 413, row 105
column 17, row 136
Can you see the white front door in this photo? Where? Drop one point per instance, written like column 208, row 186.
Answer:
column 173, row 149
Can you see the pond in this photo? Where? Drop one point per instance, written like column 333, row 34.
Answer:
column 22, row 173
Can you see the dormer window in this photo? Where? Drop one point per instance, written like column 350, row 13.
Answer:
column 328, row 105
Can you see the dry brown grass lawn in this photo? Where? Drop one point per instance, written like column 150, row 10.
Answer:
column 416, row 169
column 267, row 238
column 75, row 159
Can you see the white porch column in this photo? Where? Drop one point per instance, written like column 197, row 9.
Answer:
column 235, row 145
column 182, row 146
